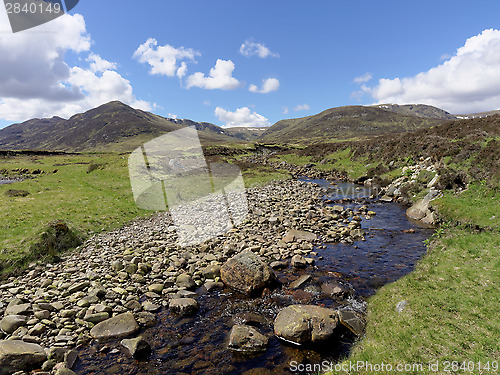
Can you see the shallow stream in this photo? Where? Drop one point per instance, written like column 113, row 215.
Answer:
column 197, row 345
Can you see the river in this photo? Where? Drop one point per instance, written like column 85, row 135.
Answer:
column 197, row 345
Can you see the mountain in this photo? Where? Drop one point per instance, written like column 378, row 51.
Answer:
column 350, row 122
column 113, row 126
column 419, row 110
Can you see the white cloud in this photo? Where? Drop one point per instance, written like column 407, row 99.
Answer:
column 35, row 80
column 220, row 77
column 467, row 82
column 302, row 107
column 285, row 110
column 242, row 117
column 268, row 85
column 207, row 102
column 99, row 65
column 252, row 48
column 363, row 78
column 164, row 60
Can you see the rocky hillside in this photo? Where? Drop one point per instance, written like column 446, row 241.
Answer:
column 419, row 110
column 351, row 122
column 112, row 126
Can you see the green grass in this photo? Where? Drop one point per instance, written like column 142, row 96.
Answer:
column 345, row 162
column 89, row 202
column 478, row 205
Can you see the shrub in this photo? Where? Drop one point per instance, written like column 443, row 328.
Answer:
column 56, row 238
column 16, row 193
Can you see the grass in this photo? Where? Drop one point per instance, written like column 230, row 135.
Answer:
column 452, row 312
column 88, row 200
column 478, row 205
column 453, row 297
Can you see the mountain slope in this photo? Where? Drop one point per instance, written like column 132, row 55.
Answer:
column 350, row 122
column 419, row 110
column 112, row 126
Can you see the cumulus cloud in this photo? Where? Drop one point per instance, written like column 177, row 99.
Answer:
column 99, row 65
column 35, row 80
column 302, row 107
column 467, row 82
column 165, row 60
column 252, row 48
column 242, row 117
column 220, row 77
column 268, row 85
column 363, row 78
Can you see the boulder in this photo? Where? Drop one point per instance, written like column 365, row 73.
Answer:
column 211, row 271
column 244, row 338
column 136, row 347
column 300, row 281
column 294, row 234
column 183, row 306
column 420, row 210
column 298, row 261
column 16, row 355
column 305, row 324
column 354, row 321
column 118, row 326
column 185, row 281
column 12, row 322
column 247, row 273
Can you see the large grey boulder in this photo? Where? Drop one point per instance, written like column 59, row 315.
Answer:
column 118, row 326
column 305, row 324
column 12, row 322
column 246, row 273
column 17, row 355
column 420, row 210
column 244, row 338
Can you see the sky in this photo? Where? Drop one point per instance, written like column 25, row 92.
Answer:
column 242, row 63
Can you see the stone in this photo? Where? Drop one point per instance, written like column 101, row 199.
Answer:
column 305, row 324
column 150, row 306
column 97, row 317
column 244, row 338
column 300, row 281
column 18, row 309
column 37, row 330
column 247, row 273
column 156, row 288
column 385, row 198
column 401, row 305
column 278, row 265
column 294, row 234
column 16, row 355
column 70, row 358
column 12, row 322
column 185, row 281
column 334, row 290
column 78, row 287
column 118, row 326
column 298, row 261
column 42, row 314
column 183, row 306
column 64, row 371
column 136, row 347
column 211, row 271
column 354, row 321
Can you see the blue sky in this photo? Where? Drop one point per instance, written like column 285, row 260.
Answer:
column 299, row 58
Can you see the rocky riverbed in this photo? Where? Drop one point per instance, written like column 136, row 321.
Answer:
column 112, row 298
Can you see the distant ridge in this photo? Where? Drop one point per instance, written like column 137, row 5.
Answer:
column 110, row 127
column 355, row 122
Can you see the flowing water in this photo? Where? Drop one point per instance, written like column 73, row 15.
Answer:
column 197, row 345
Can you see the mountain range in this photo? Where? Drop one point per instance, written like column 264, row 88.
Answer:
column 117, row 127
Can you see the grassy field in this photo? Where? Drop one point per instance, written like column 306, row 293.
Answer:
column 90, row 192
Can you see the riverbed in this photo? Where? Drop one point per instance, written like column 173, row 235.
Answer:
column 198, row 345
